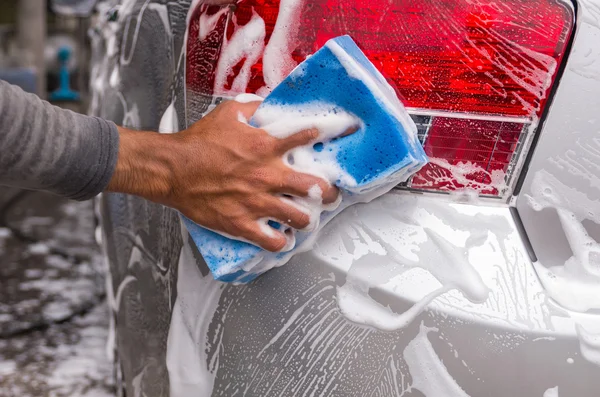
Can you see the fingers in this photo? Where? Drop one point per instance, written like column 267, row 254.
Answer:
column 247, row 109
column 308, row 136
column 269, row 239
column 286, row 213
column 349, row 131
column 298, row 139
column 304, row 185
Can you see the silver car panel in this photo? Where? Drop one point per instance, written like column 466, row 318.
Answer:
column 408, row 295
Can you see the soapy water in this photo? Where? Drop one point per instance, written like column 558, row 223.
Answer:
column 246, row 44
column 464, row 260
column 552, row 392
column 465, row 174
column 246, row 48
column 191, row 371
column 277, row 59
column 306, row 336
column 589, row 344
column 429, row 374
column 575, row 284
column 455, row 272
column 169, row 123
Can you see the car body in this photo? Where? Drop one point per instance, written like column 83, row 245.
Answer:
column 416, row 293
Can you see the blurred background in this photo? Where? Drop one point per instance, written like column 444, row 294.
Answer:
column 53, row 321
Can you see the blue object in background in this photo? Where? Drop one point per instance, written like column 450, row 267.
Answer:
column 382, row 153
column 64, row 91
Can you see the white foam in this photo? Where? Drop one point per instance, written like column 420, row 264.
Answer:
column 191, row 372
column 7, row 367
column 302, row 205
column 277, row 58
column 429, row 375
column 282, row 122
column 589, row 344
column 247, row 98
column 575, row 284
column 115, row 77
column 124, row 16
column 412, row 247
column 459, row 174
column 207, row 23
column 246, row 44
column 357, row 306
column 169, row 122
column 551, row 392
column 241, row 118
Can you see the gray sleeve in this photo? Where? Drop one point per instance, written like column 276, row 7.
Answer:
column 43, row 147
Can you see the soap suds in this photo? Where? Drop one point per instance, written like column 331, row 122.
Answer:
column 124, row 16
column 461, row 174
column 356, row 304
column 207, row 23
column 241, row 118
column 473, row 251
column 589, row 344
column 277, row 58
column 575, row 284
column 395, row 254
column 247, row 98
column 429, row 375
column 552, row 392
column 168, row 122
column 245, row 45
column 191, row 372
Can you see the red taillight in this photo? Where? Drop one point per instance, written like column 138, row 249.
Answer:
column 476, row 75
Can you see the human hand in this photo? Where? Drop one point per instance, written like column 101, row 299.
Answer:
column 223, row 174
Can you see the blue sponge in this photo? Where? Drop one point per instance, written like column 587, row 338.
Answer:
column 335, row 89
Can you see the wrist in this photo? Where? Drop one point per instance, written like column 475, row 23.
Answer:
column 145, row 165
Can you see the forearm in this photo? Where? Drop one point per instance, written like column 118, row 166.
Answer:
column 47, row 148
column 145, row 164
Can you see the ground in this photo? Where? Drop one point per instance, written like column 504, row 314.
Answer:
column 53, row 318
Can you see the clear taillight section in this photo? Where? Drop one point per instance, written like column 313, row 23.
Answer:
column 475, row 75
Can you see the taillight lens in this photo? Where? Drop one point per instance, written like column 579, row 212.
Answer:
column 474, row 75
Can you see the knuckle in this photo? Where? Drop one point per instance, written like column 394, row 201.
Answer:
column 239, row 224
column 255, row 202
column 262, row 145
column 297, row 181
column 261, row 176
column 302, row 219
column 275, row 245
column 326, row 187
column 323, row 185
column 311, row 134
